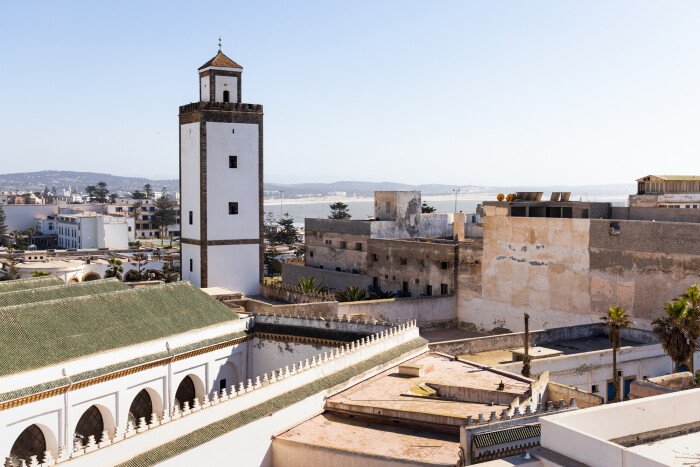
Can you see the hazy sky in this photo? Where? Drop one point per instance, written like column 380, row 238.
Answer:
column 464, row 92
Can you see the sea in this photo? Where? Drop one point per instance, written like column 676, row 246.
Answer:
column 362, row 209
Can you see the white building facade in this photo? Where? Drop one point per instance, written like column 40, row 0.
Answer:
column 221, row 176
column 92, row 230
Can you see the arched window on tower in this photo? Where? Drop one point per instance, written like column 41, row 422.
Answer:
column 91, row 423
column 226, row 96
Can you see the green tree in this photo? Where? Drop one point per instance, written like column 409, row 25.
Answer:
column 165, row 214
column 115, row 267
column 3, row 225
column 40, row 274
column 27, row 198
column 272, row 266
column 381, row 295
column 148, row 191
column 679, row 330
column 287, row 234
column 170, row 272
column 615, row 320
column 139, row 260
column 136, row 209
column 351, row 294
column 11, row 270
column 425, row 209
column 309, row 285
column 113, row 198
column 97, row 193
column 138, row 194
column 339, row 210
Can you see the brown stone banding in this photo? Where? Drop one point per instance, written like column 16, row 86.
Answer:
column 240, row 241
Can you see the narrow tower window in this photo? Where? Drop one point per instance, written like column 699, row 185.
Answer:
column 226, row 96
column 233, row 162
column 233, row 207
column 191, row 217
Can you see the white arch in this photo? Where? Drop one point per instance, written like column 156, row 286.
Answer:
column 199, row 388
column 107, row 420
column 50, row 439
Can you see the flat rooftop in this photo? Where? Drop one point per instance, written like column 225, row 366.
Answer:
column 567, row 347
column 396, row 398
column 679, row 450
column 328, row 431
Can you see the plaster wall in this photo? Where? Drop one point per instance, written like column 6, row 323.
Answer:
column 234, row 267
column 583, row 435
column 189, row 181
column 204, row 88
column 272, row 354
column 291, row 273
column 250, row 444
column 427, row 311
column 226, row 83
column 226, row 184
column 191, row 253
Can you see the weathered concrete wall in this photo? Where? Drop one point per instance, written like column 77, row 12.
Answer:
column 534, row 265
column 642, row 266
column 418, row 263
column 321, row 309
column 638, row 213
column 437, row 225
column 291, row 273
column 427, row 311
column 516, row 339
column 291, row 294
column 556, row 392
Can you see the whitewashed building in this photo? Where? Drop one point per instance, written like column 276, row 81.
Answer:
column 91, row 230
column 221, row 177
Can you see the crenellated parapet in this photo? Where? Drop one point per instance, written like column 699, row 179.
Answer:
column 241, row 396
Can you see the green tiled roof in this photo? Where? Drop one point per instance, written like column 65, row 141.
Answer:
column 244, row 417
column 506, row 435
column 116, row 367
column 35, row 335
column 53, row 292
column 33, row 283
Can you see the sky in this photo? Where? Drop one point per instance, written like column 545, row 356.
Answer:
column 459, row 92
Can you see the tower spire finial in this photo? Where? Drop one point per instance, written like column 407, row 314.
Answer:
column 219, row 43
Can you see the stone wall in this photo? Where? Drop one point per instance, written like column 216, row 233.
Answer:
column 292, row 294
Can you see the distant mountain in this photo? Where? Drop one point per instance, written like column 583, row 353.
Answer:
column 36, row 181
column 61, row 179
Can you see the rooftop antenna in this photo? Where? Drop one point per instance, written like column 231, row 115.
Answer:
column 219, row 43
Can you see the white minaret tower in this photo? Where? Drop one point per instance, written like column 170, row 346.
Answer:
column 221, row 182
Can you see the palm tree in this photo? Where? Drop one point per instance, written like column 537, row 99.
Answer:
column 679, row 330
column 616, row 319
column 351, row 294
column 308, row 285
column 115, row 267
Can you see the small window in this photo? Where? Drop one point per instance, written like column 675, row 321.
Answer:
column 444, row 265
column 191, row 217
column 404, row 261
column 311, row 254
column 417, row 281
column 343, row 244
column 375, row 257
column 358, row 246
column 443, row 289
column 233, row 207
column 404, row 289
column 191, row 264
column 337, row 269
column 429, row 290
column 329, row 242
column 232, row 162
column 594, row 388
column 226, row 96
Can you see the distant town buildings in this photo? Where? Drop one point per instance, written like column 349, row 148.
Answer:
column 667, row 191
column 83, row 230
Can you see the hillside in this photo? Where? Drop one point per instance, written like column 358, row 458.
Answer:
column 36, row 181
